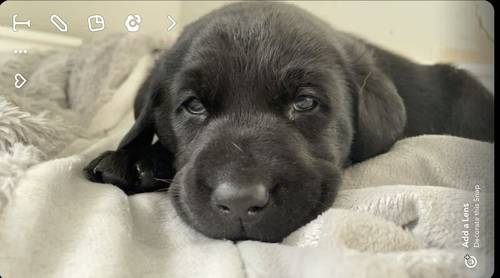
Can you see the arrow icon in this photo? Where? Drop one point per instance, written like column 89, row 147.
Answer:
column 173, row 23
column 19, row 80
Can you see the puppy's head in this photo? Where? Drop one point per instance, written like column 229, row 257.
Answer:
column 255, row 104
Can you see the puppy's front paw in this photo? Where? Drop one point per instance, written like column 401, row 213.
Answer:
column 113, row 167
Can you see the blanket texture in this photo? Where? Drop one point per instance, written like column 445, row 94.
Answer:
column 424, row 209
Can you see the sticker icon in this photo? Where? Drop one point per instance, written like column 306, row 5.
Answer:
column 132, row 23
column 96, row 23
column 59, row 23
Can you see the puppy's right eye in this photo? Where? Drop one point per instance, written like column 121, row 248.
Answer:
column 304, row 103
column 194, row 106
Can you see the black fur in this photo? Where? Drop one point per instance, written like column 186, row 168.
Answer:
column 247, row 63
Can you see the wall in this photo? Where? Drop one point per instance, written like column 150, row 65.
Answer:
column 425, row 30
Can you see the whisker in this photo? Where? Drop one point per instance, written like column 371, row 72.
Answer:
column 162, row 189
column 164, row 180
column 237, row 147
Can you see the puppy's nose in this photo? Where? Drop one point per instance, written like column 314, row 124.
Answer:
column 243, row 202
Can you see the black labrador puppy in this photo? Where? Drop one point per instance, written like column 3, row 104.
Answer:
column 259, row 106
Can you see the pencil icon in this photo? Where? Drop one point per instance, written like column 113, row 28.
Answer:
column 59, row 23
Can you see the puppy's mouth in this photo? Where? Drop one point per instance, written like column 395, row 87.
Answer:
column 241, row 233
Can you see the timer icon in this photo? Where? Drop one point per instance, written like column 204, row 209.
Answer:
column 132, row 23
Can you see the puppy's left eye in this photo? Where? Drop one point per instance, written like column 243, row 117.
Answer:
column 304, row 103
column 194, row 106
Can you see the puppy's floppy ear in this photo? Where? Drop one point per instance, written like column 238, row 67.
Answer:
column 142, row 132
column 132, row 166
column 379, row 114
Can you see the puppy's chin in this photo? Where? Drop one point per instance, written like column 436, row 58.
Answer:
column 238, row 231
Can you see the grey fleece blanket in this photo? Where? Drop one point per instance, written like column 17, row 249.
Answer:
column 424, row 209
